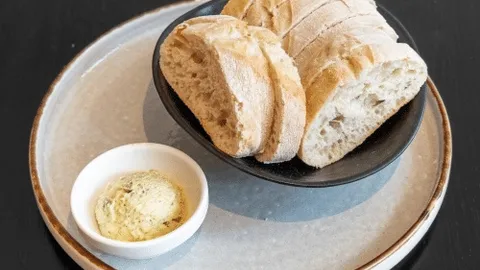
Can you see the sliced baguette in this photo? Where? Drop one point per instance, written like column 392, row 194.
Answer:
column 321, row 20
column 355, row 74
column 319, row 52
column 291, row 13
column 229, row 75
column 220, row 73
column 290, row 110
column 282, row 13
column 359, row 88
column 298, row 22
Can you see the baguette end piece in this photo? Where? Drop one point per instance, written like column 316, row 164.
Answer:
column 344, row 110
column 204, row 60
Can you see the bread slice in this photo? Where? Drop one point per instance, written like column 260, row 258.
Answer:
column 240, row 84
column 311, row 60
column 291, row 13
column 289, row 110
column 261, row 12
column 358, row 88
column 237, row 8
column 321, row 20
column 298, row 22
column 255, row 12
column 281, row 13
column 220, row 73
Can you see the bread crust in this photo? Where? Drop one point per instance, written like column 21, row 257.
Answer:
column 289, row 109
column 237, row 8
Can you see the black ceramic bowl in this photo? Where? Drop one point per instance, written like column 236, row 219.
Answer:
column 379, row 150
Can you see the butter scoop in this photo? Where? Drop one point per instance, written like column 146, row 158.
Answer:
column 140, row 206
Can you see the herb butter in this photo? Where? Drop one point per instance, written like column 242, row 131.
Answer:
column 140, row 206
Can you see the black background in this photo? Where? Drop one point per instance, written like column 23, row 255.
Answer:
column 37, row 38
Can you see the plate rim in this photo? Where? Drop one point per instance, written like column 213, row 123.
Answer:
column 69, row 244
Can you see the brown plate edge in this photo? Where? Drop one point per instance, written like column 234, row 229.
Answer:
column 55, row 224
column 439, row 190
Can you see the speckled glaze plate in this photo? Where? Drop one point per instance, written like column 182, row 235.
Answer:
column 105, row 98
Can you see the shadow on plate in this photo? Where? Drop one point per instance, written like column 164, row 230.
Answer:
column 242, row 194
column 165, row 260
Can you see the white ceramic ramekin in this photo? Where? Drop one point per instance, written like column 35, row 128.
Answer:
column 139, row 157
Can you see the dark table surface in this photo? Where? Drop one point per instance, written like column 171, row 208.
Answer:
column 37, row 38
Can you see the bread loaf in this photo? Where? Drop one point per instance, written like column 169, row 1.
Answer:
column 354, row 72
column 230, row 75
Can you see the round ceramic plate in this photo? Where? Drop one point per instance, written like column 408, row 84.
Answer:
column 105, row 98
column 378, row 151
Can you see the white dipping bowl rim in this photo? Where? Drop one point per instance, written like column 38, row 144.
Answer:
column 197, row 216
